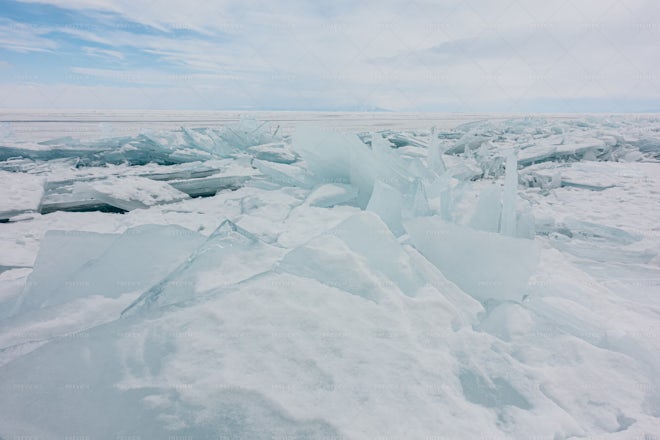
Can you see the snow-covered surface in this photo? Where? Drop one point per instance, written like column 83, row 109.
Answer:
column 494, row 278
column 21, row 192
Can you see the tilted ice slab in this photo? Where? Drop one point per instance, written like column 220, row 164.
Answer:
column 83, row 279
column 228, row 256
column 75, row 264
column 367, row 270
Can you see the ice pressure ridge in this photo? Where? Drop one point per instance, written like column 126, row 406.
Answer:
column 67, row 174
column 326, row 284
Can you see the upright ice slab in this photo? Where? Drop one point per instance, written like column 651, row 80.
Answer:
column 488, row 212
column 331, row 157
column 509, row 195
column 435, row 154
column 387, row 203
column 485, row 265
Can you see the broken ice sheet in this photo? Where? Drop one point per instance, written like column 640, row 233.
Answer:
column 273, row 152
column 559, row 148
column 130, row 193
column 283, row 174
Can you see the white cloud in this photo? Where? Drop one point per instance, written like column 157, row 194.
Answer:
column 103, row 53
column 150, row 77
column 162, row 14
column 390, row 53
column 73, row 96
column 24, row 38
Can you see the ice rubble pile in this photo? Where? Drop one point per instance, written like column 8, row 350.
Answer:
column 115, row 174
column 386, row 284
column 125, row 173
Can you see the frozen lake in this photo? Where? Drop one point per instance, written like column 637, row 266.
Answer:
column 305, row 275
column 30, row 125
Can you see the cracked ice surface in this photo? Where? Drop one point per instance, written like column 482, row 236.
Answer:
column 498, row 278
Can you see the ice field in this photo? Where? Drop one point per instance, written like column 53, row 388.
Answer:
column 329, row 276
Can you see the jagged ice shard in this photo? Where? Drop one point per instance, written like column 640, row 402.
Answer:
column 508, row 222
column 493, row 279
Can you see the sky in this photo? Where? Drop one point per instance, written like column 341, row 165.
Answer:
column 345, row 55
